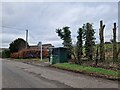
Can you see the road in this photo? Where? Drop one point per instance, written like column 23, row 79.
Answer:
column 13, row 77
column 21, row 75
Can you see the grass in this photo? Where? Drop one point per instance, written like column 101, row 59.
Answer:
column 88, row 69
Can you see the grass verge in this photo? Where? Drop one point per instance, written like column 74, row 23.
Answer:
column 98, row 72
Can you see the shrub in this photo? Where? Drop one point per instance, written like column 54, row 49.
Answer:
column 29, row 53
column 6, row 53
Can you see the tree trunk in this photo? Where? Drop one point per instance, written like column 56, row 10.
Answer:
column 79, row 55
column 114, row 44
column 118, row 52
column 102, row 52
column 96, row 61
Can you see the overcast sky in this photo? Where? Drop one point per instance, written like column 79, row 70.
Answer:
column 43, row 18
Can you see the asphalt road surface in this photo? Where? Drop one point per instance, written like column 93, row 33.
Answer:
column 21, row 75
column 13, row 77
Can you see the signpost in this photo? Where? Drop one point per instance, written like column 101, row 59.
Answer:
column 40, row 47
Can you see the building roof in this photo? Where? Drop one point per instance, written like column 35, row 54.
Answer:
column 59, row 47
column 43, row 46
column 2, row 49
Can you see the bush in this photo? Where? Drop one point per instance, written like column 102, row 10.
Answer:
column 6, row 53
column 0, row 54
column 14, row 55
column 29, row 53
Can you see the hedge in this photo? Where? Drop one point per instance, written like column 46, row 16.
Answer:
column 30, row 53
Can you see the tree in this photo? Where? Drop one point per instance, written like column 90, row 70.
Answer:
column 17, row 45
column 114, row 44
column 79, row 45
column 65, row 35
column 6, row 53
column 102, row 52
column 89, row 40
column 97, row 54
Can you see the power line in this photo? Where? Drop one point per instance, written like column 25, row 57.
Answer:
column 18, row 29
column 32, row 35
column 13, row 28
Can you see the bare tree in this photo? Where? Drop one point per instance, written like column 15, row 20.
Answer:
column 114, row 44
column 102, row 52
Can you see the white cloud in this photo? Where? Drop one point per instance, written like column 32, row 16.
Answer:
column 42, row 19
column 59, row 0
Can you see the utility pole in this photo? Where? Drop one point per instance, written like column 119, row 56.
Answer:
column 41, row 51
column 40, row 47
column 26, row 38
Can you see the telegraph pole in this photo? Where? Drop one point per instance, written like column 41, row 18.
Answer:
column 40, row 47
column 26, row 37
column 41, row 51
